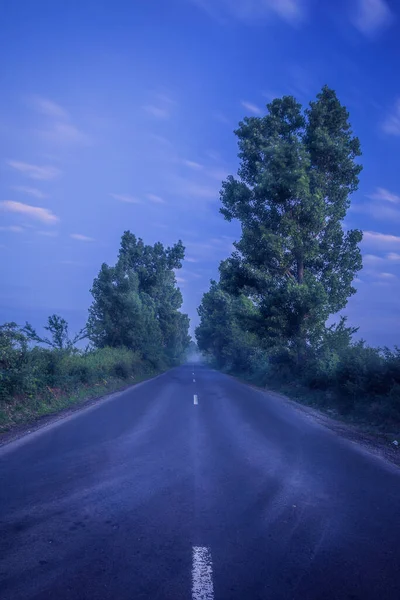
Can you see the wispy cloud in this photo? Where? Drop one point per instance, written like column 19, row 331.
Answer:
column 34, row 212
column 384, row 194
column 125, row 198
column 270, row 95
column 29, row 190
column 155, row 199
column 253, row 108
column 12, row 228
column 156, row 111
column 386, row 275
column 192, row 165
column 374, row 238
column 49, row 108
column 372, row 16
column 196, row 190
column 65, row 133
column 372, row 260
column 291, row 11
column 391, row 125
column 382, row 211
column 58, row 126
column 160, row 106
column 34, row 171
column 218, row 174
column 81, row 238
column 48, row 233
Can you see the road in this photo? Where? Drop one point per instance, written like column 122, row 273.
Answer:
column 148, row 495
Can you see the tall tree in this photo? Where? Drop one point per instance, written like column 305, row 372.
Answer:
column 294, row 259
column 136, row 303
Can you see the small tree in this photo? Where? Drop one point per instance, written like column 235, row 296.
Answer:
column 58, row 329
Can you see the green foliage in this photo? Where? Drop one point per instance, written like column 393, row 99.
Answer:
column 13, row 358
column 294, row 260
column 293, row 266
column 223, row 333
column 136, row 303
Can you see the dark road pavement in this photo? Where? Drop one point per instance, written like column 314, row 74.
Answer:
column 238, row 497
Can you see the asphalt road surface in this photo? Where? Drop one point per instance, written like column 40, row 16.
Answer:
column 149, row 495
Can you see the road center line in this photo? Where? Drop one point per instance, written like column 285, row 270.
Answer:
column 195, row 400
column 194, row 381
column 202, row 582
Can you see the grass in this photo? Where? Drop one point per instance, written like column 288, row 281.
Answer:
column 20, row 411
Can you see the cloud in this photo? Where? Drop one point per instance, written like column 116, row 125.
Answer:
column 218, row 174
column 197, row 190
column 12, row 228
column 160, row 139
column 192, row 165
column 125, row 198
column 372, row 259
column 81, row 238
column 372, row 16
column 384, row 194
column 270, row 95
column 251, row 107
column 65, row 133
column 393, row 256
column 386, row 275
column 48, row 233
column 376, row 239
column 28, row 190
column 160, row 106
column 156, row 111
column 49, row 108
column 380, row 211
column 34, row 212
column 155, row 199
column 391, row 125
column 34, row 171
column 291, row 11
column 191, row 260
column 59, row 128
column 181, row 280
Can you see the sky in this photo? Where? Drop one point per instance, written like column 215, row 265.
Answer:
column 120, row 114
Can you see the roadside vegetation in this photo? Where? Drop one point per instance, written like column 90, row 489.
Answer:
column 265, row 320
column 134, row 330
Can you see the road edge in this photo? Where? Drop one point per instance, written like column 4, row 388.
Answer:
column 29, row 429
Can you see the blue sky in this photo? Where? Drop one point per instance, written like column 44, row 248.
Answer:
column 119, row 115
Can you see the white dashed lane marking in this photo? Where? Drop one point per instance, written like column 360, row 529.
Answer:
column 195, row 400
column 202, row 581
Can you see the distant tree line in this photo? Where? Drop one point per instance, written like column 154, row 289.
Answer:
column 293, row 267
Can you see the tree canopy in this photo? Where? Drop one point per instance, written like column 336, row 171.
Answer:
column 294, row 261
column 136, row 303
